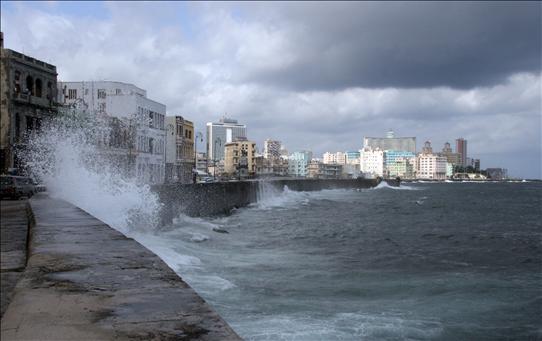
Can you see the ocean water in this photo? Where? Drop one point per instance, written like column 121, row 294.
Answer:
column 456, row 261
column 426, row 261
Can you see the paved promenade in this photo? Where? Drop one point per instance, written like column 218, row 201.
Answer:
column 13, row 237
column 85, row 280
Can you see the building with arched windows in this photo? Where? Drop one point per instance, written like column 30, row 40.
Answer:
column 28, row 95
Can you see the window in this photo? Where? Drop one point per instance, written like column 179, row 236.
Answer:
column 38, row 88
column 101, row 93
column 86, row 91
column 72, row 93
column 101, row 107
column 30, row 85
column 17, row 82
column 117, row 92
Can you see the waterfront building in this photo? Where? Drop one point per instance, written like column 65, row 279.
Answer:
column 449, row 170
column 390, row 142
column 180, row 155
column 263, row 168
column 350, row 170
column 226, row 130
column 340, row 158
column 474, row 163
column 201, row 163
column 334, row 158
column 430, row 166
column 461, row 149
column 372, row 162
column 28, row 95
column 271, row 167
column 127, row 104
column 320, row 170
column 399, row 163
column 271, row 149
column 239, row 159
column 451, row 157
column 352, row 157
column 298, row 163
column 427, row 149
column 329, row 158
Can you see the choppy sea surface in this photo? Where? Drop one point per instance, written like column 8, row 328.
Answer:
column 449, row 261
column 426, row 261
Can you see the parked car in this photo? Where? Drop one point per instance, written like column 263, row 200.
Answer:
column 15, row 187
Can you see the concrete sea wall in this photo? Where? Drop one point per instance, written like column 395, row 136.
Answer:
column 86, row 281
column 207, row 199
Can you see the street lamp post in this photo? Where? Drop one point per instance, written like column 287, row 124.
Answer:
column 169, row 128
column 214, row 156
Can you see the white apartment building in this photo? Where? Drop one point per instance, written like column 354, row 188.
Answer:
column 372, row 162
column 131, row 107
column 431, row 167
column 298, row 163
column 335, row 158
column 329, row 158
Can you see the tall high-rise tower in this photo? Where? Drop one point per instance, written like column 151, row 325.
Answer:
column 220, row 133
column 461, row 149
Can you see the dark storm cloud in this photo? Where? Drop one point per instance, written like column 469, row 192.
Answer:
column 404, row 45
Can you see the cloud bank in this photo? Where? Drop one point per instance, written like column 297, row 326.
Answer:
column 317, row 76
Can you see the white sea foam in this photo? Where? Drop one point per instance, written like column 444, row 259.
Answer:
column 270, row 197
column 341, row 326
column 198, row 237
column 402, row 187
column 65, row 157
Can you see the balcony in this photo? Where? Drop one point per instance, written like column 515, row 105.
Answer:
column 29, row 99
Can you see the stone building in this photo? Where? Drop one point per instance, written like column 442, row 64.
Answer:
column 28, row 96
column 451, row 157
column 180, row 155
column 239, row 158
column 320, row 170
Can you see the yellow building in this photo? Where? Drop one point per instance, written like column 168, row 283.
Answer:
column 180, row 156
column 239, row 158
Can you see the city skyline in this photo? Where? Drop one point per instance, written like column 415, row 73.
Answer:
column 257, row 62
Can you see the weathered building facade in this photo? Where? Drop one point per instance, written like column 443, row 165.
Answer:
column 180, row 155
column 28, row 96
column 239, row 158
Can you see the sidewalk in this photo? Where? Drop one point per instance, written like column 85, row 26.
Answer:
column 13, row 237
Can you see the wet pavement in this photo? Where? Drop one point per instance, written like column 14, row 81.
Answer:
column 13, row 237
column 85, row 280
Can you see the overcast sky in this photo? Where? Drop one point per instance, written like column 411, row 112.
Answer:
column 316, row 76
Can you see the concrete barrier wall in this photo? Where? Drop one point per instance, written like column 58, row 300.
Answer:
column 207, row 199
column 86, row 281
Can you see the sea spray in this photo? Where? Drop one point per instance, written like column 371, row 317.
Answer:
column 71, row 157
